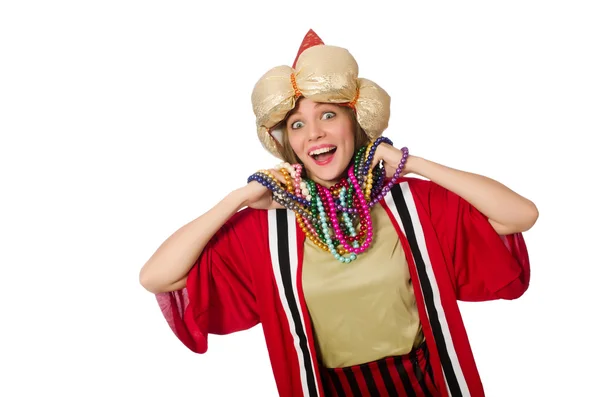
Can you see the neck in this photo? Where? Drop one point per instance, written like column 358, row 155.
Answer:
column 326, row 183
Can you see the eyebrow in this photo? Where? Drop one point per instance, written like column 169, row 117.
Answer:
column 319, row 104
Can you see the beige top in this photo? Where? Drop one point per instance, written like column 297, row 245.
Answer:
column 364, row 310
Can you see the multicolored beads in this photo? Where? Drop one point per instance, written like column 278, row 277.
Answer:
column 336, row 219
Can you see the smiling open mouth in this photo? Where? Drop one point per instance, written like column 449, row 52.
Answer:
column 322, row 155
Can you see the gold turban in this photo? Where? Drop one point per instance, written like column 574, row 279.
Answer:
column 321, row 73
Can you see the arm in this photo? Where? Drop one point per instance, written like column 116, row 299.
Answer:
column 168, row 267
column 507, row 211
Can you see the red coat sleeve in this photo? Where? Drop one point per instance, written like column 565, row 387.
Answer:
column 219, row 294
column 483, row 264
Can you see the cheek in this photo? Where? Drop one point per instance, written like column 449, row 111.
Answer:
column 296, row 144
column 348, row 135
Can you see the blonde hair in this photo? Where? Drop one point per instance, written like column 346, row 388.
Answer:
column 287, row 153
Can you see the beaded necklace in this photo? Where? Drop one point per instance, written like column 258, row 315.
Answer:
column 327, row 216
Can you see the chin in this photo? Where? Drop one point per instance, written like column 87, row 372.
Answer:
column 331, row 176
column 330, row 173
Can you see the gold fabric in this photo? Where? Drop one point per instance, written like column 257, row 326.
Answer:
column 364, row 310
column 323, row 74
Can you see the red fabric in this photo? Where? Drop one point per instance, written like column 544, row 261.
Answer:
column 231, row 288
column 400, row 389
column 360, row 379
column 218, row 297
column 483, row 265
column 345, row 385
column 300, row 237
column 232, row 285
column 426, row 326
column 414, row 381
column 470, row 261
column 311, row 39
column 410, row 375
column 378, row 378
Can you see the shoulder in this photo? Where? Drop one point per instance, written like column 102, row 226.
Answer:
column 249, row 221
column 424, row 188
column 247, row 227
column 430, row 196
column 417, row 186
column 413, row 181
column 248, row 215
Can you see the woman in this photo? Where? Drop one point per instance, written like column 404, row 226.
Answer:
column 355, row 283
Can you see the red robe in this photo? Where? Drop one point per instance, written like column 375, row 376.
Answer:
column 250, row 273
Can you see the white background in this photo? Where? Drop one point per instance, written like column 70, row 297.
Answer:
column 121, row 121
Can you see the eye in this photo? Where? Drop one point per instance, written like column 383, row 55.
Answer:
column 328, row 115
column 297, row 124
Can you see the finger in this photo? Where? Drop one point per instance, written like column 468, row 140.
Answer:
column 374, row 163
column 376, row 159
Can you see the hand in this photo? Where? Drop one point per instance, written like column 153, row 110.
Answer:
column 259, row 197
column 391, row 159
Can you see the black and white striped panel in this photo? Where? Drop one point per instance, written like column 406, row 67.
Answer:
column 284, row 257
column 402, row 206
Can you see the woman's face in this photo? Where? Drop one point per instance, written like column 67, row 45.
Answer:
column 322, row 136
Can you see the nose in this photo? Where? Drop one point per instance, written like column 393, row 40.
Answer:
column 315, row 132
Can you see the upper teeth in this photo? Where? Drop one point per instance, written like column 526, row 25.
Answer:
column 321, row 151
